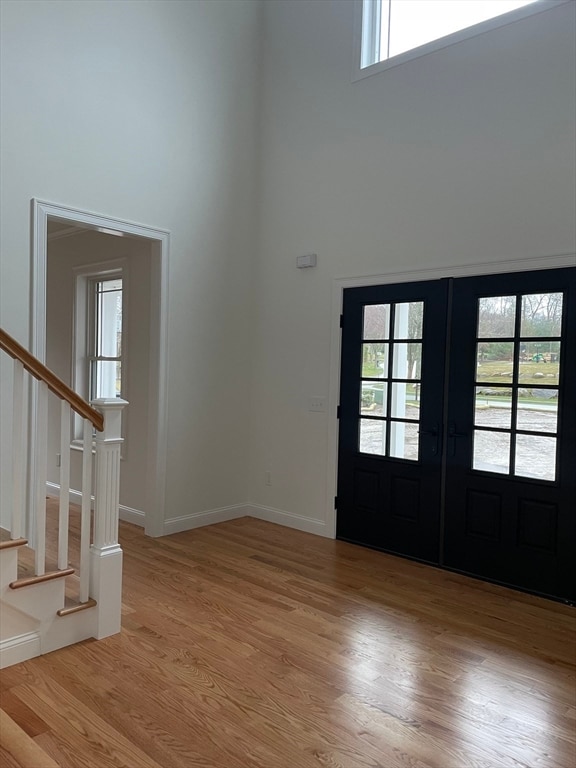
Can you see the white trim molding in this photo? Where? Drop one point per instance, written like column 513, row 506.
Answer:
column 127, row 514
column 207, row 517
column 19, row 648
column 289, row 520
column 223, row 514
column 42, row 212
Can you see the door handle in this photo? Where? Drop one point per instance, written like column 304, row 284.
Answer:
column 431, row 433
column 453, row 433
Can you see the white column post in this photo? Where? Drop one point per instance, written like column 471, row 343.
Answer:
column 105, row 552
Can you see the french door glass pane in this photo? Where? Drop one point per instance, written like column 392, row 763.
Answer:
column 376, row 321
column 541, row 314
column 408, row 320
column 375, row 361
column 491, row 451
column 407, row 361
column 404, row 440
column 373, row 398
column 403, row 405
column 494, row 362
column 539, row 362
column 496, row 317
column 406, row 364
column 373, row 436
column 535, row 457
column 493, row 407
column 539, row 412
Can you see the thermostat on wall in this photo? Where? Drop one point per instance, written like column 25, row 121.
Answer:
column 306, row 261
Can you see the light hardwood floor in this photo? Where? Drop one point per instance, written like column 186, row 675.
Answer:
column 248, row 645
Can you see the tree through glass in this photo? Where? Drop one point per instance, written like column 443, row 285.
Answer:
column 517, row 373
column 391, row 380
column 105, row 358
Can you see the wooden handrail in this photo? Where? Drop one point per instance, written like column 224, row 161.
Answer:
column 54, row 384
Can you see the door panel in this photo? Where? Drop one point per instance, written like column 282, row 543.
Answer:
column 501, row 443
column 389, row 448
column 511, row 494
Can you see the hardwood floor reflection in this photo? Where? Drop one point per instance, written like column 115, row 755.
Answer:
column 245, row 645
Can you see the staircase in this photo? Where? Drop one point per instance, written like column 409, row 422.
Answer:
column 45, row 603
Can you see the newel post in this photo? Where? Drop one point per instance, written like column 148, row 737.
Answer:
column 105, row 552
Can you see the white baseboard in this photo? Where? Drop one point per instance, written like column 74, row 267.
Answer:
column 128, row 514
column 209, row 517
column 20, row 648
column 289, row 520
column 220, row 515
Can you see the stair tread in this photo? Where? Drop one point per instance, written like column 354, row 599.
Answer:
column 10, row 543
column 48, row 576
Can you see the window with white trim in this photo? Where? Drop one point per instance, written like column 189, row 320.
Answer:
column 99, row 334
column 104, row 357
column 399, row 30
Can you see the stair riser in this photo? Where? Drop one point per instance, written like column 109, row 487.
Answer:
column 8, row 566
column 41, row 601
column 66, row 630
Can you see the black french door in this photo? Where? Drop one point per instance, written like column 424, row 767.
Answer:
column 457, row 440
column 391, row 387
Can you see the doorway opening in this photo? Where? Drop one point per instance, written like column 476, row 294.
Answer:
column 69, row 246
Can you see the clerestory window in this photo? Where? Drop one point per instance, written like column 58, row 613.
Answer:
column 393, row 31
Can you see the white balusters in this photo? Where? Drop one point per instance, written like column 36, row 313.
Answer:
column 64, row 510
column 40, row 479
column 18, row 420
column 100, row 554
column 85, row 514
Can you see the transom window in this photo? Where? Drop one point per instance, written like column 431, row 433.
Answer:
column 410, row 28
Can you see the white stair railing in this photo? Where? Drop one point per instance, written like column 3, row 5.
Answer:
column 64, row 506
column 18, row 459
column 85, row 515
column 39, row 484
column 100, row 571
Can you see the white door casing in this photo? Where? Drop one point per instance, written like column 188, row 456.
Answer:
column 157, row 430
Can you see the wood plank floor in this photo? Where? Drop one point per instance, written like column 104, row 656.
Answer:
column 248, row 645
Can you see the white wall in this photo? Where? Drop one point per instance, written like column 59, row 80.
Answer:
column 63, row 256
column 464, row 156
column 146, row 111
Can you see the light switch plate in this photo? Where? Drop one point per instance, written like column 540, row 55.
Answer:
column 317, row 403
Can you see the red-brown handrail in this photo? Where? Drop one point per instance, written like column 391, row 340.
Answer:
column 54, row 384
